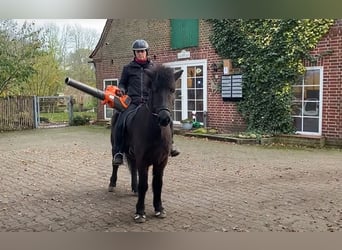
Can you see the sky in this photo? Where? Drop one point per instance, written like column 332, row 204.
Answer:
column 96, row 24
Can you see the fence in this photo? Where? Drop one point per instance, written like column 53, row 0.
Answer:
column 17, row 113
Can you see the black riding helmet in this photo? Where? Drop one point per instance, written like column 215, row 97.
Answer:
column 140, row 44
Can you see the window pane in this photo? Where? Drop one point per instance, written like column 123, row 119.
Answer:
column 178, row 116
column 199, row 71
column 199, row 116
column 298, row 123
column 311, row 108
column 191, row 105
column 199, row 93
column 191, row 82
column 191, row 94
column 199, row 83
column 191, row 71
column 311, row 92
column 199, row 105
column 178, row 94
column 178, row 105
column 312, row 77
column 310, row 124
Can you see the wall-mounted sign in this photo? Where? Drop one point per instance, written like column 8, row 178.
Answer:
column 183, row 54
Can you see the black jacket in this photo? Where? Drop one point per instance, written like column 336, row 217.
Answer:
column 132, row 80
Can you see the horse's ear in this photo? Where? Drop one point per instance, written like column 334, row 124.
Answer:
column 178, row 74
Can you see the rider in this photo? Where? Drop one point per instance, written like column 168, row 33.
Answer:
column 132, row 83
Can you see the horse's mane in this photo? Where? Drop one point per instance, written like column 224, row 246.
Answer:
column 163, row 75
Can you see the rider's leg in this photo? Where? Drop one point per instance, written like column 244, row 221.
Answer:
column 119, row 141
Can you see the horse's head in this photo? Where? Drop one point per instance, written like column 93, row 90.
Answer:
column 161, row 83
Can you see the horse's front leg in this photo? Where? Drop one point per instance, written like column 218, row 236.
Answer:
column 142, row 189
column 157, row 185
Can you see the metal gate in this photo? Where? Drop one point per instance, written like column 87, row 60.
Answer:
column 53, row 111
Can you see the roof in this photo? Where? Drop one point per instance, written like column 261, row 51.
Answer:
column 102, row 38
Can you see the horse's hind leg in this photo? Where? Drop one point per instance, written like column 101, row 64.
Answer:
column 157, row 184
column 134, row 175
column 113, row 178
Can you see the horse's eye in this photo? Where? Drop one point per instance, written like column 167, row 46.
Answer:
column 172, row 91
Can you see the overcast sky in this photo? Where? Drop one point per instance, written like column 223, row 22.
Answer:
column 96, row 24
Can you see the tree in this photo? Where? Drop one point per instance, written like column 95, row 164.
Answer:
column 35, row 61
column 18, row 49
column 270, row 53
column 48, row 79
column 78, row 45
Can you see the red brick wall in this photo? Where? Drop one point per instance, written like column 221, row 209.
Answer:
column 332, row 84
column 116, row 52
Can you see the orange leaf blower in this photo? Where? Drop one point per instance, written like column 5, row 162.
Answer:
column 112, row 96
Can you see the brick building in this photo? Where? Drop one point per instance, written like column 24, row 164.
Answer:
column 184, row 44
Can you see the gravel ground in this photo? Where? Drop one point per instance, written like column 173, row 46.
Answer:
column 56, row 180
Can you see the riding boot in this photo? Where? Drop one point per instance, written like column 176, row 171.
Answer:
column 118, row 154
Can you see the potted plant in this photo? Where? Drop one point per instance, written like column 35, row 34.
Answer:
column 187, row 124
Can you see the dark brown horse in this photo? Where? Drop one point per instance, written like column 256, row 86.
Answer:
column 148, row 138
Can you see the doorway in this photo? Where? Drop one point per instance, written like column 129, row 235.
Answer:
column 191, row 90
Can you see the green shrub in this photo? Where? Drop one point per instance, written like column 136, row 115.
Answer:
column 81, row 120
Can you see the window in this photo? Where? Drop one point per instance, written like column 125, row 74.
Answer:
column 306, row 106
column 108, row 112
column 184, row 33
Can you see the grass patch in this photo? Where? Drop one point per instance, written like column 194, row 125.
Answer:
column 64, row 116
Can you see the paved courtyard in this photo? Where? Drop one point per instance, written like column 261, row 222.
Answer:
column 56, row 180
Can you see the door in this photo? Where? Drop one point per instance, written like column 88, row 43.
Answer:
column 191, row 90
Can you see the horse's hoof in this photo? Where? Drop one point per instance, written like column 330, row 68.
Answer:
column 111, row 189
column 139, row 218
column 160, row 214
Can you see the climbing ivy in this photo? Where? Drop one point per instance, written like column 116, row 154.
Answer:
column 269, row 53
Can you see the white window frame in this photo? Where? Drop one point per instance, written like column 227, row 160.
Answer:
column 320, row 68
column 190, row 63
column 104, row 88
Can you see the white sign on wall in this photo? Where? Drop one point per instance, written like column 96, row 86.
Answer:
column 183, row 54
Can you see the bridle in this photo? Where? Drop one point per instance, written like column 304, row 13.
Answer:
column 155, row 111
